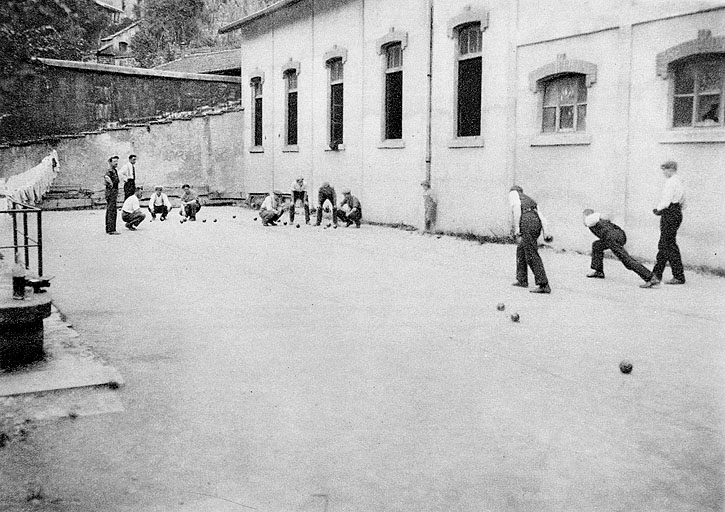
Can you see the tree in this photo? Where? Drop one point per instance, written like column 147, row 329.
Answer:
column 167, row 27
column 60, row 29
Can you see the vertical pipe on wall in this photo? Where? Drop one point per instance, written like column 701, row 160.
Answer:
column 429, row 114
column 313, row 74
column 362, row 101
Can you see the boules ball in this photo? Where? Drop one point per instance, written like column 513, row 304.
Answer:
column 328, row 225
column 298, row 225
column 515, row 317
column 625, row 366
column 285, row 223
column 203, row 220
column 214, row 220
column 501, row 306
column 335, row 226
column 255, row 218
column 234, row 216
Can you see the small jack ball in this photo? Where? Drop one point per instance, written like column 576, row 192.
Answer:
column 501, row 306
column 298, row 225
column 515, row 317
column 625, row 366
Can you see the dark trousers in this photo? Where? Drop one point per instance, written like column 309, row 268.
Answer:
column 324, row 198
column 667, row 249
column 191, row 209
column 162, row 209
column 269, row 217
column 527, row 253
column 302, row 196
column 129, row 188
column 350, row 217
column 615, row 243
column 111, row 212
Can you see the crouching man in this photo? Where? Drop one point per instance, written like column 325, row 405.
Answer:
column 350, row 209
column 270, row 211
column 612, row 237
column 159, row 204
column 131, row 212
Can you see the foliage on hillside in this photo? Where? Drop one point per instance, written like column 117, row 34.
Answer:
column 60, row 29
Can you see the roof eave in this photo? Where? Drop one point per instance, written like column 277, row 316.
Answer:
column 259, row 14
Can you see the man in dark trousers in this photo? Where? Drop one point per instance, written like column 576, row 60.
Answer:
column 528, row 224
column 612, row 237
column 669, row 210
column 128, row 176
column 111, row 179
column 299, row 193
column 350, row 209
column 326, row 192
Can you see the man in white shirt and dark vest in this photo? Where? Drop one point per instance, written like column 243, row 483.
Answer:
column 669, row 209
column 131, row 212
column 299, row 193
column 128, row 176
column 528, row 224
column 270, row 211
column 612, row 237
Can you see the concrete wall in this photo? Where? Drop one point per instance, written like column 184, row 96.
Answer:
column 613, row 166
column 199, row 151
column 61, row 97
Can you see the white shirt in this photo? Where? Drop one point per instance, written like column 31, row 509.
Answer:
column 269, row 203
column 127, row 172
column 159, row 199
column 673, row 192
column 131, row 204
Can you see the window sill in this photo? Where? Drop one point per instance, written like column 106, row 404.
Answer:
column 561, row 139
column 256, row 149
column 466, row 142
column 693, row 135
column 391, row 144
column 340, row 147
column 291, row 149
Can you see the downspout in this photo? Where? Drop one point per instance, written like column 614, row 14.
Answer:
column 429, row 114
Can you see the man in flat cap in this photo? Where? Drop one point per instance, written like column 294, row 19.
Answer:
column 159, row 204
column 111, row 181
column 350, row 209
column 669, row 209
column 326, row 193
column 270, row 211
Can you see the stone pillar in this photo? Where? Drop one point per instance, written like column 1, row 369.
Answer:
column 21, row 326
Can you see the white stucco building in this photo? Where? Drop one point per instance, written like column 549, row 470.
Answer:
column 577, row 102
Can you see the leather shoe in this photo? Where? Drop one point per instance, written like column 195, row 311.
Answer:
column 596, row 275
column 541, row 289
column 651, row 283
column 520, row 284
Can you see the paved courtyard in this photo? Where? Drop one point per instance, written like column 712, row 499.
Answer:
column 285, row 369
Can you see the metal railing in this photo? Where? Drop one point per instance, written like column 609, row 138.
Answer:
column 21, row 232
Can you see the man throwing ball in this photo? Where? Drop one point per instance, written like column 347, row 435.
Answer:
column 612, row 237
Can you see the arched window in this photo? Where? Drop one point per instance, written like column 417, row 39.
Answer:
column 335, row 62
column 564, row 105
column 256, row 83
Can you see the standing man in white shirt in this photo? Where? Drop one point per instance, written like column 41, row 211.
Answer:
column 128, row 176
column 131, row 212
column 528, row 224
column 669, row 209
column 299, row 193
column 159, row 203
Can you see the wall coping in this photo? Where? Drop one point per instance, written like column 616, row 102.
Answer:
column 124, row 70
column 563, row 65
column 704, row 43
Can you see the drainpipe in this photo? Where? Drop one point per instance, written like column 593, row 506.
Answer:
column 429, row 119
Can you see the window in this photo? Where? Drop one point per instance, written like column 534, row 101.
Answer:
column 123, row 47
column 468, row 104
column 698, row 91
column 257, row 111
column 394, row 91
column 336, row 102
column 291, row 136
column 565, row 104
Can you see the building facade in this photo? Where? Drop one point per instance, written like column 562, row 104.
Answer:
column 576, row 102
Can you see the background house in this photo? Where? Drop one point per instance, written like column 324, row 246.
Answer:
column 116, row 49
column 577, row 104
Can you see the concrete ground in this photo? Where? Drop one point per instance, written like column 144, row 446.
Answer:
column 284, row 369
